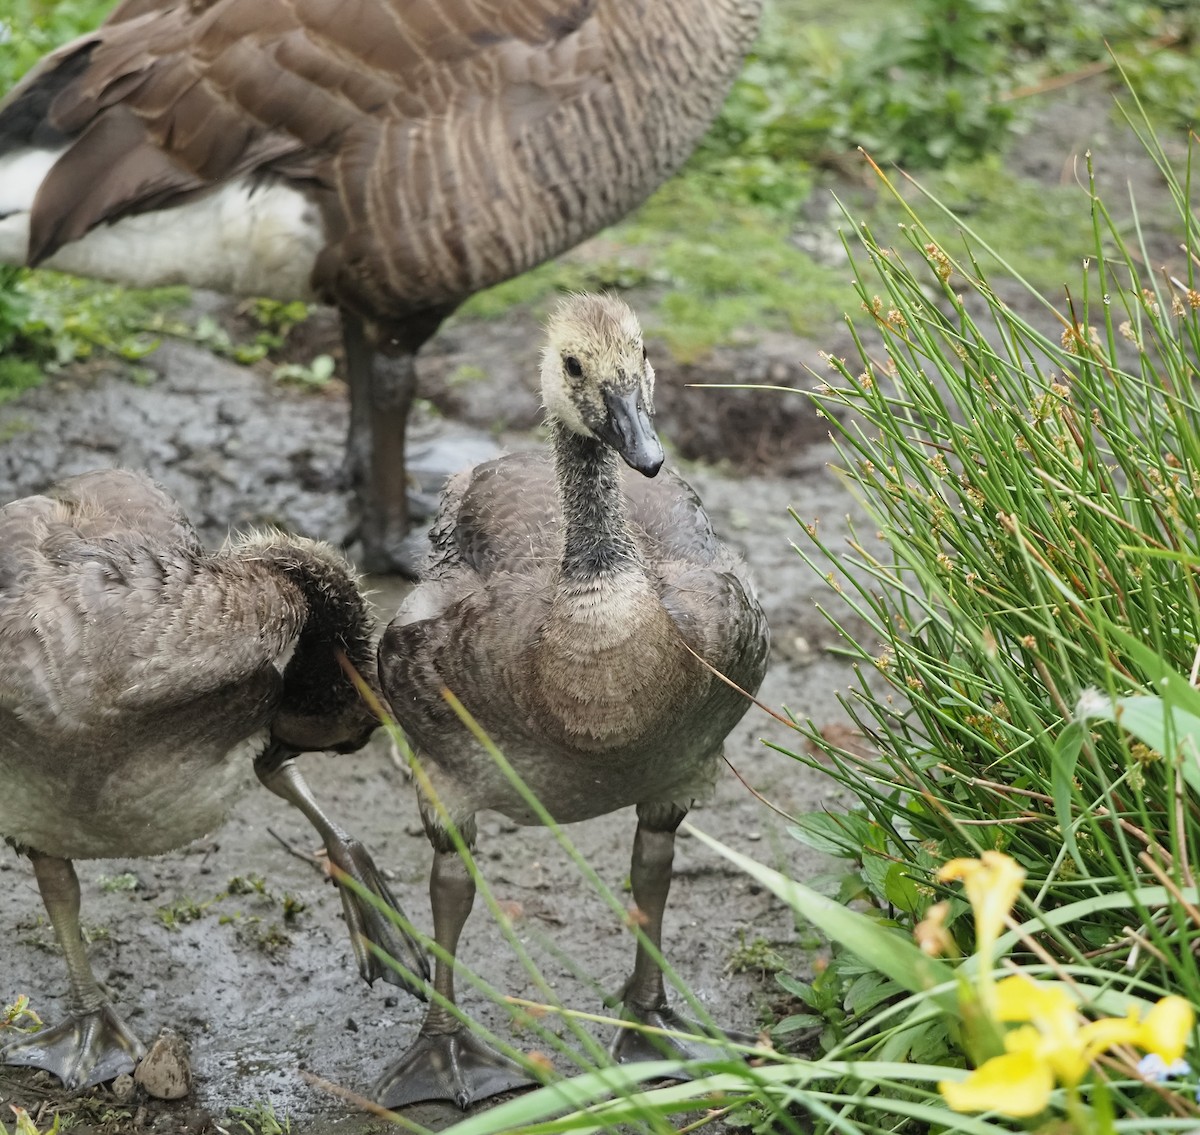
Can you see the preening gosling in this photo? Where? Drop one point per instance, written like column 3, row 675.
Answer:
column 562, row 602
column 141, row 679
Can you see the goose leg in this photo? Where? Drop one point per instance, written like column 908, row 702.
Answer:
column 93, row 1045
column 359, row 354
column 383, row 383
column 644, row 996
column 365, row 921
column 446, row 1062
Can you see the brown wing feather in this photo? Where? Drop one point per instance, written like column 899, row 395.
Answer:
column 22, row 528
column 503, row 515
column 167, row 99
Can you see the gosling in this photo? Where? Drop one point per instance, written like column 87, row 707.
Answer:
column 141, row 678
column 578, row 613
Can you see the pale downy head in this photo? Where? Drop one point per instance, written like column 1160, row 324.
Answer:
column 596, row 379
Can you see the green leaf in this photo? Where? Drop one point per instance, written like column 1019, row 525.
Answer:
column 1168, row 682
column 827, row 833
column 900, row 890
column 1171, row 731
column 797, row 989
column 868, row 991
column 795, row 1023
column 875, row 870
column 1063, row 757
column 883, row 949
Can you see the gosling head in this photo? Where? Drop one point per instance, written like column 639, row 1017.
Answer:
column 596, row 379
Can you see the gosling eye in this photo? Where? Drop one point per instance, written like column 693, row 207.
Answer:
column 643, row 352
column 574, row 367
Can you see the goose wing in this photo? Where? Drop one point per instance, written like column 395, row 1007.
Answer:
column 502, row 515
column 99, row 505
column 119, row 502
column 670, row 519
column 371, row 103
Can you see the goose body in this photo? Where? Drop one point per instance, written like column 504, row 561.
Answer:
column 391, row 157
column 589, row 687
column 144, row 682
column 575, row 608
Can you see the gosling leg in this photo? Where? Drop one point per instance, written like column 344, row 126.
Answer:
column 644, row 997
column 446, row 1062
column 93, row 1045
column 366, row 923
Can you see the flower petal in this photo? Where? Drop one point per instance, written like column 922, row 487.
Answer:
column 1016, row 1084
column 1167, row 1028
column 992, row 883
column 1020, row 998
column 1099, row 1036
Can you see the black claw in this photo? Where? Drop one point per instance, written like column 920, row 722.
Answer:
column 369, row 924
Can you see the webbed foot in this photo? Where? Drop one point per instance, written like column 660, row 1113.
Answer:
column 630, row 1045
column 455, row 1066
column 85, row 1049
column 367, row 923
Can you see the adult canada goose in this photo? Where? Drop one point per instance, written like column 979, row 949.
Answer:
column 141, row 678
column 563, row 603
column 391, row 157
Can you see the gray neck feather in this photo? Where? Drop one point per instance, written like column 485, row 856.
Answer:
column 596, row 527
column 336, row 614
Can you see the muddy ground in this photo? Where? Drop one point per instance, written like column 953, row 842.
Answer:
column 265, row 1000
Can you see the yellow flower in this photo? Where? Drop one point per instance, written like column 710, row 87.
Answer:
column 1054, row 1046
column 1020, row 998
column 1167, row 1028
column 992, row 883
column 1017, row 1084
column 1053, row 1039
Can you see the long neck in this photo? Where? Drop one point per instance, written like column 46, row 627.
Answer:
column 603, row 665
column 334, row 618
column 597, row 541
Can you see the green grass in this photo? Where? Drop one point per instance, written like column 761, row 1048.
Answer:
column 714, row 272
column 35, row 27
column 709, row 257
column 259, row 1118
column 1044, row 231
column 1033, row 483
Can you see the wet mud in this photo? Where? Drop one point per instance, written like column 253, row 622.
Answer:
column 237, row 943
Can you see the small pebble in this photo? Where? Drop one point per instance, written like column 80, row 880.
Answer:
column 123, row 1088
column 391, row 1002
column 351, row 1025
column 165, row 1072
